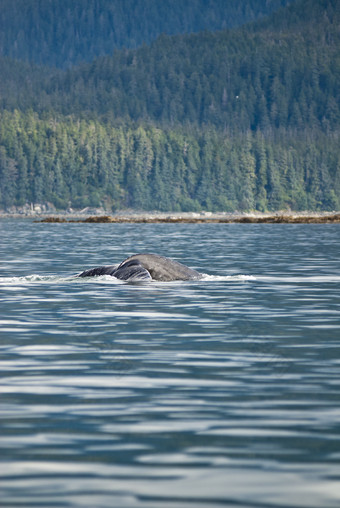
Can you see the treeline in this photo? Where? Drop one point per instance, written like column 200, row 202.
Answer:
column 61, row 33
column 84, row 163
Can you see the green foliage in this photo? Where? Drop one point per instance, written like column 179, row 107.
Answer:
column 235, row 120
column 69, row 162
column 62, row 32
column 254, row 79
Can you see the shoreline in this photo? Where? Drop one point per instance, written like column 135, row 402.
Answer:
column 134, row 217
column 190, row 218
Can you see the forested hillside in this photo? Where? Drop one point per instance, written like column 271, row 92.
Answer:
column 241, row 80
column 62, row 32
column 85, row 163
column 234, row 120
column 232, row 80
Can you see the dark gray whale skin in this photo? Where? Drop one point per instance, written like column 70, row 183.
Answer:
column 146, row 267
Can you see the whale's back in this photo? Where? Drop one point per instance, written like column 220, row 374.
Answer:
column 163, row 269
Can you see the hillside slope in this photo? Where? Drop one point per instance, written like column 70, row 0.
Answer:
column 61, row 33
column 249, row 79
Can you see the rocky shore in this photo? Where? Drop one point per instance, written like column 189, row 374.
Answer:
column 47, row 213
column 288, row 218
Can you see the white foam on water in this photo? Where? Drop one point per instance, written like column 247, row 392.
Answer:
column 28, row 279
column 102, row 279
column 228, row 278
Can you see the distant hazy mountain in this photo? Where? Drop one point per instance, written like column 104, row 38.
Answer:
column 64, row 32
column 282, row 73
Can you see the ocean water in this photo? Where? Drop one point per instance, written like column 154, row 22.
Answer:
column 210, row 393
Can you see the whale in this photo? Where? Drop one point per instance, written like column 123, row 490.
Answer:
column 145, row 267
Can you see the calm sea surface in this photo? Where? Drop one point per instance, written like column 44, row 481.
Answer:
column 219, row 392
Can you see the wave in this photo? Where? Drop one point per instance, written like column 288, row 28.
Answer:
column 55, row 279
column 227, row 278
column 103, row 279
column 33, row 279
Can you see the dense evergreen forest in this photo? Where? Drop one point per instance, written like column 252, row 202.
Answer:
column 237, row 119
column 86, row 163
column 61, row 33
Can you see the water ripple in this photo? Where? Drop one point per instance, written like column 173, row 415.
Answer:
column 210, row 393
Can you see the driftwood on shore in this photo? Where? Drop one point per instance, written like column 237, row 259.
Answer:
column 254, row 219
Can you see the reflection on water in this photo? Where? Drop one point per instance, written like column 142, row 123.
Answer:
column 219, row 392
